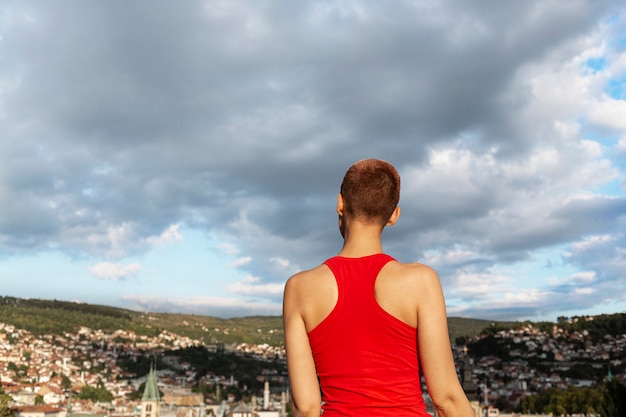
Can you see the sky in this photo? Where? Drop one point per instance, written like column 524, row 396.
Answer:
column 186, row 156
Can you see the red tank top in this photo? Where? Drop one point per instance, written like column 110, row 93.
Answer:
column 366, row 359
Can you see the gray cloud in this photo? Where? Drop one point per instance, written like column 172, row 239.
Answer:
column 119, row 120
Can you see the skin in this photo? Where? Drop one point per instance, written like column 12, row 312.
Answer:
column 410, row 292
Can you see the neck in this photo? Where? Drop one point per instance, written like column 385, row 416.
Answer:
column 361, row 240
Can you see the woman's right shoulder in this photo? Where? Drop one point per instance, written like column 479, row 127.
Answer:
column 417, row 273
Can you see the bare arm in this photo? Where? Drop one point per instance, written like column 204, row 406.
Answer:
column 305, row 391
column 435, row 351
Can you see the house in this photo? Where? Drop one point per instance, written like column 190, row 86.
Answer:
column 50, row 394
column 43, row 410
column 242, row 410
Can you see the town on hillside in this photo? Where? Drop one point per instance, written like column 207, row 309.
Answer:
column 506, row 367
column 80, row 375
column 93, row 373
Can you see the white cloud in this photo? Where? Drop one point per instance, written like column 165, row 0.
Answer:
column 227, row 248
column 114, row 240
column 480, row 285
column 589, row 243
column 609, row 112
column 281, row 263
column 588, row 276
column 241, row 261
column 208, row 305
column 531, row 296
column 253, row 286
column 115, row 271
column 170, row 235
column 452, row 257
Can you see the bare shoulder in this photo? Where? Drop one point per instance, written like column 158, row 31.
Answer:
column 403, row 289
column 416, row 268
column 311, row 294
column 413, row 273
column 304, row 279
column 299, row 287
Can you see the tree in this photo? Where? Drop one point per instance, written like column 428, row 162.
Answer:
column 20, row 371
column 573, row 400
column 489, row 346
column 66, row 383
column 95, row 394
column 556, row 402
column 504, row 405
column 614, row 399
column 5, row 400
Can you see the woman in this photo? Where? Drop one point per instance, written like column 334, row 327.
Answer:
column 358, row 326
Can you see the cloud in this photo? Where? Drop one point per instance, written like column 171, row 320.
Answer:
column 281, row 263
column 604, row 256
column 610, row 113
column 241, row 261
column 584, row 291
column 253, row 286
column 205, row 305
column 586, row 277
column 239, row 120
column 227, row 248
column 170, row 235
column 115, row 271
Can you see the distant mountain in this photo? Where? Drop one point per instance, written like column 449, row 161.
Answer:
column 57, row 317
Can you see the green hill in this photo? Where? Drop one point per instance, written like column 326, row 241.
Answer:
column 467, row 327
column 57, row 317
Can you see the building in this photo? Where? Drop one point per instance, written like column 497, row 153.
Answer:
column 151, row 400
column 43, row 410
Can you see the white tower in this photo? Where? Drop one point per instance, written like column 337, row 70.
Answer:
column 266, row 395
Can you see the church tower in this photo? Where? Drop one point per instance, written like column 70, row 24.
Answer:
column 151, row 399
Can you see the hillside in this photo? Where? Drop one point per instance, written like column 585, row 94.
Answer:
column 57, row 317
column 467, row 327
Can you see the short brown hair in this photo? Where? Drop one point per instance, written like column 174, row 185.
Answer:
column 371, row 190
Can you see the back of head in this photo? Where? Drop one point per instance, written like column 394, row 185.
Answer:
column 371, row 191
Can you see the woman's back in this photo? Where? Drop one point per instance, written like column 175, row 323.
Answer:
column 366, row 358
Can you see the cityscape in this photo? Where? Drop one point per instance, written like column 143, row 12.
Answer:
column 50, row 375
column 39, row 373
